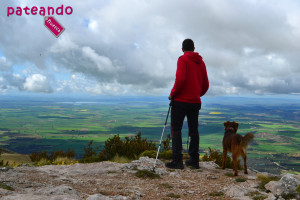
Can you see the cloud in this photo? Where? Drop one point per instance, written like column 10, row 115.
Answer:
column 4, row 65
column 113, row 47
column 37, row 83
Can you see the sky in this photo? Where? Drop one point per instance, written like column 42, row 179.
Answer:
column 131, row 47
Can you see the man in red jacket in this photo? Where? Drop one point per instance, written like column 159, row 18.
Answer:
column 190, row 84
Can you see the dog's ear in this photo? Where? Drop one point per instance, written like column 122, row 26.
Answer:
column 236, row 125
column 226, row 124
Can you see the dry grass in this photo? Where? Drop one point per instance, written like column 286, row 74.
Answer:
column 15, row 159
column 64, row 161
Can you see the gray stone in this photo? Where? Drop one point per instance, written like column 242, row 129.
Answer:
column 4, row 169
column 59, row 190
column 208, row 165
column 146, row 163
column 271, row 197
column 237, row 192
column 102, row 197
column 287, row 184
column 39, row 197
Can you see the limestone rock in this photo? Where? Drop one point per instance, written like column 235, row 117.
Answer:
column 146, row 163
column 102, row 197
column 208, row 165
column 287, row 184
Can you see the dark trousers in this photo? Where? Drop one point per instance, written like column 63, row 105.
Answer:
column 178, row 112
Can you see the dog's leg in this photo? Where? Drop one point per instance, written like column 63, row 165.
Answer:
column 235, row 157
column 244, row 155
column 224, row 158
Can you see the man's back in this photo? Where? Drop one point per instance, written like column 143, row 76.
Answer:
column 191, row 78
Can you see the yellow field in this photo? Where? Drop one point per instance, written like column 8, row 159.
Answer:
column 215, row 113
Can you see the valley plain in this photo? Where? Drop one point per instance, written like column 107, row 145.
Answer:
column 33, row 124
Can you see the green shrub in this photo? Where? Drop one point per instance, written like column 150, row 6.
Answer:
column 130, row 148
column 216, row 194
column 229, row 174
column 6, row 187
column 2, row 163
column 152, row 154
column 120, row 159
column 166, row 185
column 146, row 174
column 43, row 155
column 172, row 195
column 118, row 150
column 91, row 159
column 217, row 157
column 166, row 143
column 256, row 195
column 240, row 180
column 288, row 196
column 298, row 189
column 89, row 151
column 64, row 161
column 265, row 180
column 90, row 154
column 43, row 161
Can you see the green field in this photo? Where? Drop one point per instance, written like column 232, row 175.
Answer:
column 30, row 125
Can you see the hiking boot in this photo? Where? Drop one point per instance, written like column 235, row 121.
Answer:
column 192, row 163
column 175, row 165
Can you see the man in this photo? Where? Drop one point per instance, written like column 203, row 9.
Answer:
column 190, row 84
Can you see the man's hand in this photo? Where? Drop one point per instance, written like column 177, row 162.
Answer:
column 170, row 98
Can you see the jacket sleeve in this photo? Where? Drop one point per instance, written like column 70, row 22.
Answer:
column 180, row 77
column 205, row 82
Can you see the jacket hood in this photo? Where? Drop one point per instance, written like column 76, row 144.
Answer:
column 194, row 56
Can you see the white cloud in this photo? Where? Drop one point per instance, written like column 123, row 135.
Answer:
column 249, row 46
column 37, row 83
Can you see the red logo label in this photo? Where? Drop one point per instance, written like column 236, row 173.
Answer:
column 53, row 25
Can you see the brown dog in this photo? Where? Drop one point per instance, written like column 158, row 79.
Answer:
column 236, row 144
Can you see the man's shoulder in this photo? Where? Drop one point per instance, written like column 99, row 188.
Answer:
column 182, row 57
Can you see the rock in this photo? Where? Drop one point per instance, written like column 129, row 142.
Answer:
column 39, row 197
column 5, row 192
column 146, row 163
column 287, row 184
column 59, row 190
column 251, row 177
column 211, row 177
column 237, row 192
column 50, row 192
column 174, row 174
column 208, row 165
column 4, row 169
column 271, row 197
column 86, row 181
column 102, row 197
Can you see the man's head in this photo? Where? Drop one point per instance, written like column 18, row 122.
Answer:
column 188, row 45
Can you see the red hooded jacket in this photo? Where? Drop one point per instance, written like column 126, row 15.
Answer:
column 191, row 81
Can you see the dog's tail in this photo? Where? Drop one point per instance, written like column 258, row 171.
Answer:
column 246, row 139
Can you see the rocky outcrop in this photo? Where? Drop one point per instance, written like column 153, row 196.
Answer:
column 115, row 181
column 287, row 185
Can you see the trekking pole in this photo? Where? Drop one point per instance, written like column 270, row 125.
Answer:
column 162, row 134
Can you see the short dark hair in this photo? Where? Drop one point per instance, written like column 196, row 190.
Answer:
column 188, row 45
